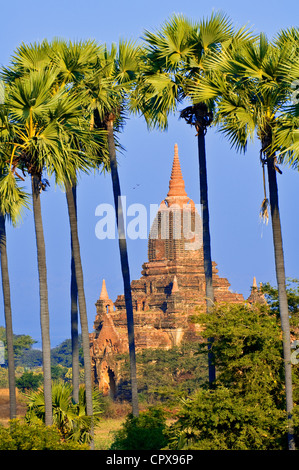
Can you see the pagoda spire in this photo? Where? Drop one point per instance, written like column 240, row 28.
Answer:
column 256, row 295
column 104, row 294
column 176, row 193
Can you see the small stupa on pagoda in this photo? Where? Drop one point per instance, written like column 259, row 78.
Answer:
column 170, row 291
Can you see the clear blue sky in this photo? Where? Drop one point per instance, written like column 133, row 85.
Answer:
column 241, row 245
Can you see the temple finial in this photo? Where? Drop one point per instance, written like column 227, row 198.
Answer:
column 176, row 183
column 104, row 294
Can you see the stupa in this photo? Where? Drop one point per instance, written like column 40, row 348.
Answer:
column 170, row 291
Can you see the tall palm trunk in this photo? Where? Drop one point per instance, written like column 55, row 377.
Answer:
column 124, row 264
column 81, row 301
column 282, row 294
column 8, row 320
column 199, row 116
column 206, row 241
column 74, row 316
column 43, row 291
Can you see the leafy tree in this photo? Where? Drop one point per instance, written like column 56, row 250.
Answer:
column 292, row 288
column 20, row 436
column 21, row 343
column 29, row 381
column 220, row 419
column 166, row 375
column 143, row 432
column 271, row 294
column 58, row 372
column 31, row 358
column 246, row 410
column 63, row 353
column 24, row 355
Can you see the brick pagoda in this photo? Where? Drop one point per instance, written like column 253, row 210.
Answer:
column 170, row 291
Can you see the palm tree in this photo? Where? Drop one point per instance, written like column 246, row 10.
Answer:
column 69, row 62
column 252, row 89
column 68, row 417
column 84, row 143
column 41, row 143
column 177, row 58
column 77, row 281
column 12, row 202
column 73, row 61
column 74, row 315
column 109, row 87
column 8, row 319
column 17, row 198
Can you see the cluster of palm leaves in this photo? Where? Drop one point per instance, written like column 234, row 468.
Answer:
column 63, row 104
column 69, row 417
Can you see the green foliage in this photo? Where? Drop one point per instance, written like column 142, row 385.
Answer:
column 163, row 375
column 251, row 84
column 13, row 199
column 21, row 436
column 26, row 356
column 58, row 372
column 145, row 432
column 31, row 358
column 29, row 381
column 70, row 418
column 222, row 419
column 246, row 409
column 3, row 377
column 247, row 347
column 22, row 344
column 62, row 354
column 271, row 294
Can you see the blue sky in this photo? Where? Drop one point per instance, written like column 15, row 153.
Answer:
column 241, row 245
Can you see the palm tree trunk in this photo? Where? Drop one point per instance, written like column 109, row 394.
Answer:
column 203, row 180
column 81, row 301
column 74, row 316
column 124, row 265
column 43, row 291
column 8, row 320
column 282, row 294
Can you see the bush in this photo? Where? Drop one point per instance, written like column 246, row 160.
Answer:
column 246, row 408
column 3, row 377
column 21, row 436
column 224, row 420
column 164, row 375
column 145, row 432
column 29, row 381
column 70, row 418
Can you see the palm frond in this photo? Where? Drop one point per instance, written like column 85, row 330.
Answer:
column 13, row 199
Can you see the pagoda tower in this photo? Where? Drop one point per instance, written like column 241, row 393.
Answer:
column 170, row 291
column 175, row 251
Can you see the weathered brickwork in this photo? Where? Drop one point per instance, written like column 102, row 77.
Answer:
column 169, row 292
